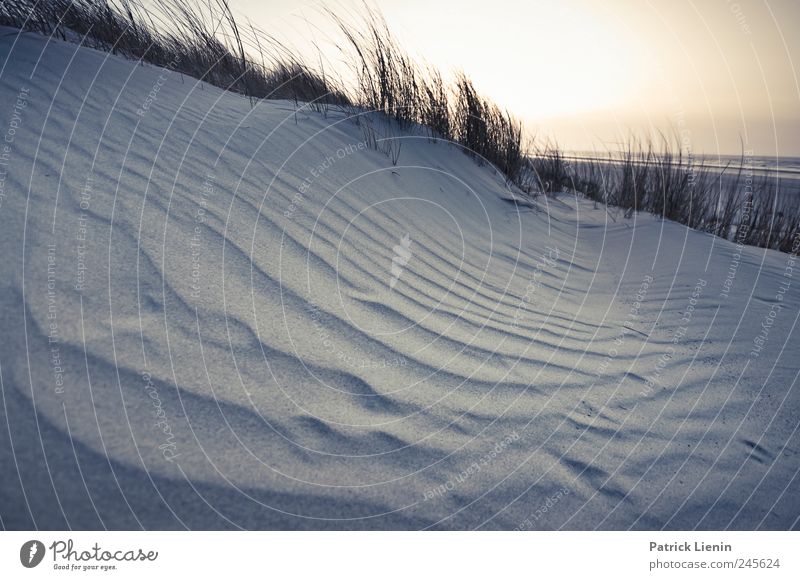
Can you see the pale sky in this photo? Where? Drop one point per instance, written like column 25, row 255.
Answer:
column 587, row 72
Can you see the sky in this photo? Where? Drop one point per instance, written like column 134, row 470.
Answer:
column 589, row 73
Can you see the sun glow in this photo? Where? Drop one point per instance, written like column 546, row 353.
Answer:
column 550, row 59
column 590, row 72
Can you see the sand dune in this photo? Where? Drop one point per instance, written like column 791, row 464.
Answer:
column 216, row 315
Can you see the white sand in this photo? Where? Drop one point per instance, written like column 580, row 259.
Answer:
column 519, row 367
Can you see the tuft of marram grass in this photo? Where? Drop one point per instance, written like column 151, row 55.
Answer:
column 658, row 177
column 202, row 40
